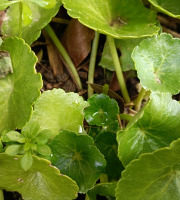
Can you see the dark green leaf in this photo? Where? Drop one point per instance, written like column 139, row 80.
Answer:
column 77, row 156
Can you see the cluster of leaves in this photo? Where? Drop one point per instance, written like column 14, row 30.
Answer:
column 37, row 129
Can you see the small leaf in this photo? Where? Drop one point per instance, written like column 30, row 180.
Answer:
column 5, row 3
column 160, row 63
column 169, row 7
column 154, row 176
column 43, row 150
column 26, row 161
column 102, row 189
column 42, row 181
column 47, row 4
column 77, row 156
column 43, row 136
column 155, row 126
column 14, row 149
column 102, row 110
column 56, row 110
column 108, row 146
column 15, row 136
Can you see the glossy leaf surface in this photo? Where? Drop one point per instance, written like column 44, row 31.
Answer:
column 125, row 48
column 48, row 4
column 17, row 93
column 56, row 110
column 154, row 127
column 157, row 63
column 41, row 181
column 169, row 7
column 154, row 176
column 5, row 3
column 107, row 144
column 102, row 110
column 118, row 18
column 30, row 32
column 77, row 156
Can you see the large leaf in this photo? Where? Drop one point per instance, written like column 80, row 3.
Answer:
column 41, row 181
column 125, row 47
column 154, row 176
column 169, row 7
column 108, row 146
column 5, row 3
column 102, row 189
column 56, row 110
column 118, row 18
column 17, row 93
column 76, row 156
column 156, row 126
column 157, row 61
column 30, row 32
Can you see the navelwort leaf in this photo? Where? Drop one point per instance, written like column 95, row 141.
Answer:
column 56, row 110
column 36, row 16
column 77, row 156
column 158, row 57
column 41, row 181
column 169, row 7
column 17, row 93
column 154, row 176
column 117, row 18
column 102, row 110
column 155, row 126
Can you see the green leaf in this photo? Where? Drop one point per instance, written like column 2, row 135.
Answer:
column 125, row 48
column 5, row 64
column 154, row 176
column 1, row 147
column 160, row 63
column 118, row 18
column 5, row 3
column 17, row 93
column 103, row 189
column 108, row 146
column 15, row 136
column 14, row 149
column 26, row 160
column 155, row 126
column 41, row 181
column 43, row 150
column 43, row 136
column 40, row 18
column 169, row 7
column 76, row 156
column 56, row 110
column 48, row 4
column 102, row 110
column 26, row 14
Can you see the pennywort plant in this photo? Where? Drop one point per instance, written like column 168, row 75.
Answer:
column 46, row 152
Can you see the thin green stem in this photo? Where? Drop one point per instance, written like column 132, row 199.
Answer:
column 138, row 100
column 60, row 20
column 105, row 89
column 63, row 52
column 118, row 69
column 126, row 117
column 92, row 63
column 1, row 195
column 20, row 18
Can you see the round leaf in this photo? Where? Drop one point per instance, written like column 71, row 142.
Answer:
column 41, row 181
column 154, row 176
column 157, row 62
column 118, row 18
column 76, row 156
column 156, row 126
column 107, row 144
column 169, row 7
column 17, row 93
column 30, row 32
column 102, row 110
column 56, row 110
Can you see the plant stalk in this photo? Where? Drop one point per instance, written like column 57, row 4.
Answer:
column 20, row 18
column 118, row 69
column 63, row 52
column 1, row 195
column 138, row 100
column 92, row 63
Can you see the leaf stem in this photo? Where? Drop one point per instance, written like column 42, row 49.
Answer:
column 118, row 69
column 138, row 100
column 92, row 63
column 63, row 52
column 1, row 195
column 20, row 18
column 60, row 20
